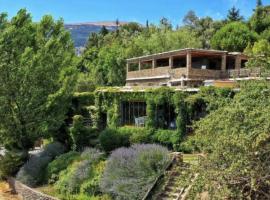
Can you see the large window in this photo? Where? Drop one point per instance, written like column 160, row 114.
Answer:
column 146, row 65
column 230, row 63
column 212, row 63
column 179, row 62
column 133, row 67
column 133, row 112
column 164, row 62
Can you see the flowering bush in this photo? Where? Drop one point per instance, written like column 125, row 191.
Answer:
column 131, row 171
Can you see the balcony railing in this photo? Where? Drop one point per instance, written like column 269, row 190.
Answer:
column 256, row 72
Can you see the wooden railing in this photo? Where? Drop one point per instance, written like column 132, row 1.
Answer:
column 256, row 72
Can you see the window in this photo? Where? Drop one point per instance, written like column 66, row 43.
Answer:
column 179, row 62
column 230, row 63
column 206, row 62
column 133, row 67
column 131, row 111
column 163, row 62
column 146, row 65
column 243, row 63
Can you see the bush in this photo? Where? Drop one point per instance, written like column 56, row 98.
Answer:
column 169, row 138
column 10, row 163
column 53, row 150
column 81, row 136
column 59, row 164
column 130, row 172
column 77, row 177
column 33, row 172
column 111, row 139
column 138, row 135
column 87, row 197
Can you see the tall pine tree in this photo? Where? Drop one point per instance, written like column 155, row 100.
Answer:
column 234, row 15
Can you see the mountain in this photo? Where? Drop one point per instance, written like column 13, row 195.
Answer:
column 81, row 31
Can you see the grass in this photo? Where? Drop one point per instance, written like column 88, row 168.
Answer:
column 49, row 190
column 192, row 159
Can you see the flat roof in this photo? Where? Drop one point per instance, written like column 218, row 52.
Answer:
column 174, row 52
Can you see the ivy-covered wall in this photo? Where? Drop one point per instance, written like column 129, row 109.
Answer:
column 104, row 105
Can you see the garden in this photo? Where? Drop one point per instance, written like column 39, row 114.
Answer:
column 92, row 145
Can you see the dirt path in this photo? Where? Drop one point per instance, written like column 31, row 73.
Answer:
column 5, row 192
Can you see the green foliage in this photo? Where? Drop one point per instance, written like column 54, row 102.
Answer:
column 81, row 178
column 60, row 164
column 168, row 138
column 236, row 138
column 138, row 135
column 259, row 55
column 234, row 36
column 37, row 78
column 33, row 172
column 111, row 139
column 10, row 163
column 260, row 20
column 84, row 98
column 81, row 136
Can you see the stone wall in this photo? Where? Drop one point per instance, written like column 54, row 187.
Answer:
column 27, row 193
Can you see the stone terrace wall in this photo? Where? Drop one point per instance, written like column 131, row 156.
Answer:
column 27, row 193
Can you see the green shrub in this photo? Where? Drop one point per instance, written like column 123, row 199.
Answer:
column 59, row 164
column 82, row 175
column 91, row 186
column 169, row 138
column 111, row 139
column 10, row 163
column 82, row 136
column 137, row 135
column 33, row 172
column 87, row 197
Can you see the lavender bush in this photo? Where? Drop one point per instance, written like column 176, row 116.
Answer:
column 130, row 172
column 32, row 173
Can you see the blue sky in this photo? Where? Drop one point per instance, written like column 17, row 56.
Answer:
column 126, row 10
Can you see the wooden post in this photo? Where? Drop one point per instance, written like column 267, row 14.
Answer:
column 128, row 64
column 223, row 62
column 238, row 65
column 171, row 62
column 189, row 63
column 140, row 65
column 154, row 63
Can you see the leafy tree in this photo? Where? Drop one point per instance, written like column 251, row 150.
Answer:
column 204, row 28
column 260, row 20
column 237, row 146
column 234, row 36
column 36, row 80
column 234, row 15
column 259, row 55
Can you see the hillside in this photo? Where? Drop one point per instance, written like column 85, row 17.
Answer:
column 80, row 31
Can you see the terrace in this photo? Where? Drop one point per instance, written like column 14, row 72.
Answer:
column 184, row 67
